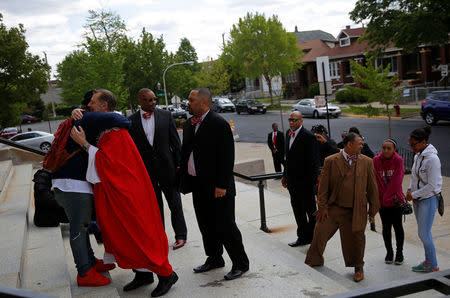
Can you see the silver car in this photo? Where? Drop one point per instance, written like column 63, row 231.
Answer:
column 35, row 139
column 308, row 108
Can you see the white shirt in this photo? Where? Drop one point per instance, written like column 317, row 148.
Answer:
column 72, row 185
column 149, row 126
column 291, row 140
column 92, row 174
column 346, row 156
column 191, row 163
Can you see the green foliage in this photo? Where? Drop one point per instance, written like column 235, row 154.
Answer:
column 351, row 95
column 213, row 75
column 23, row 76
column 313, row 90
column 237, row 78
column 106, row 27
column 260, row 46
column 63, row 110
column 407, row 23
column 368, row 110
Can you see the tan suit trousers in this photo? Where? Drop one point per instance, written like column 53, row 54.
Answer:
column 352, row 243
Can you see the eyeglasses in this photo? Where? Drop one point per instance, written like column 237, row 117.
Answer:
column 151, row 99
column 293, row 120
column 413, row 144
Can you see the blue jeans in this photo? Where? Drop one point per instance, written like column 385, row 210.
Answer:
column 78, row 208
column 424, row 212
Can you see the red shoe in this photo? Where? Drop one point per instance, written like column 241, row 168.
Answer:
column 92, row 279
column 102, row 267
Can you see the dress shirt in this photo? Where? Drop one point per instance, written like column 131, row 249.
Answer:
column 274, row 135
column 191, row 164
column 149, row 126
column 346, row 156
column 291, row 140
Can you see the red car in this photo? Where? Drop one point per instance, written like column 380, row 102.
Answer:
column 28, row 119
column 8, row 132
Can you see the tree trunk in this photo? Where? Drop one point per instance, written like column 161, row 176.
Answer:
column 389, row 119
column 269, row 84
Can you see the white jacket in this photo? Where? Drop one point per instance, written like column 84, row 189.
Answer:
column 428, row 166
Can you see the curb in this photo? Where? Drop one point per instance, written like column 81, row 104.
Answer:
column 371, row 117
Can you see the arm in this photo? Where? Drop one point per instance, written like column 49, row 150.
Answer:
column 433, row 168
column 175, row 143
column 315, row 159
column 225, row 156
column 396, row 182
column 269, row 141
column 324, row 186
column 372, row 192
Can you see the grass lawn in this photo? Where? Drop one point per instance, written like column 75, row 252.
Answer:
column 277, row 108
column 369, row 110
column 267, row 99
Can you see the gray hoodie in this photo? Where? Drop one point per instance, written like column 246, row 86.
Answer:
column 428, row 166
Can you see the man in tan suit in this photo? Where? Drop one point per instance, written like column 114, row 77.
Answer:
column 347, row 184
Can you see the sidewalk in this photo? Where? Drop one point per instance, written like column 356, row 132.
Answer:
column 441, row 232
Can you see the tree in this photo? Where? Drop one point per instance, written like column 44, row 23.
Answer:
column 23, row 76
column 213, row 75
column 406, row 23
column 260, row 46
column 105, row 26
column 376, row 84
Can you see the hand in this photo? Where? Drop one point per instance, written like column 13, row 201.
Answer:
column 283, row 182
column 274, row 150
column 321, row 138
column 78, row 135
column 219, row 192
column 177, row 169
column 321, row 215
column 409, row 196
column 77, row 114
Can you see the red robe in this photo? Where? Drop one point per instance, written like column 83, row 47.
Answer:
column 127, row 210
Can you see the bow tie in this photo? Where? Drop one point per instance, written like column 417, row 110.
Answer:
column 196, row 120
column 291, row 134
column 146, row 115
column 352, row 158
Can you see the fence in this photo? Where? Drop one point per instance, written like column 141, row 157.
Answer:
column 416, row 94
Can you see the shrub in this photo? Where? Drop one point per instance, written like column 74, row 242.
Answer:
column 351, row 95
column 313, row 90
column 64, row 110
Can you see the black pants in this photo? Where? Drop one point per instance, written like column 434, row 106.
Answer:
column 392, row 217
column 304, row 205
column 173, row 199
column 278, row 160
column 216, row 221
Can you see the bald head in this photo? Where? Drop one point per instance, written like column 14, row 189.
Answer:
column 295, row 120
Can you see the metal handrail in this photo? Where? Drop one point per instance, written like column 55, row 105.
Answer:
column 21, row 146
column 262, row 206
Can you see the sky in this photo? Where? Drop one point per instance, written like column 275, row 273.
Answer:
column 56, row 26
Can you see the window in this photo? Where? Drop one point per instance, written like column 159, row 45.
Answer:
column 292, row 77
column 334, row 70
column 385, row 61
column 344, row 42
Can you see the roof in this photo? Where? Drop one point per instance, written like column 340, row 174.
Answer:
column 355, row 32
column 313, row 49
column 314, row 35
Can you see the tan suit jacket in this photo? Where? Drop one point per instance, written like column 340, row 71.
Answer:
column 365, row 190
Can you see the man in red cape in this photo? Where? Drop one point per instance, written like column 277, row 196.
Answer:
column 125, row 202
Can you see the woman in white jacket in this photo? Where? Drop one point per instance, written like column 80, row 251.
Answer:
column 426, row 184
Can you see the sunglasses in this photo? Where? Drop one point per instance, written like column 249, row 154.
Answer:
column 293, row 120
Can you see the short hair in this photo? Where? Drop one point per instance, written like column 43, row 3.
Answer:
column 350, row 138
column 87, row 97
column 108, row 97
column 273, row 124
column 204, row 93
column 354, row 129
column 143, row 91
column 420, row 134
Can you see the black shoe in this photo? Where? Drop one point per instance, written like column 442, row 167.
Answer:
column 140, row 279
column 164, row 285
column 234, row 273
column 389, row 257
column 398, row 258
column 300, row 242
column 208, row 266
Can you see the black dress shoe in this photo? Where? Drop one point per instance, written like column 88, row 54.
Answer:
column 234, row 273
column 208, row 266
column 140, row 279
column 164, row 285
column 300, row 242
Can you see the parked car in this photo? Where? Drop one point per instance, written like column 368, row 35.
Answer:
column 436, row 106
column 184, row 105
column 8, row 132
column 308, row 107
column 28, row 119
column 222, row 104
column 35, row 139
column 250, row 106
column 177, row 112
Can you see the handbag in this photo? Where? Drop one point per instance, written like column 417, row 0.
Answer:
column 406, row 208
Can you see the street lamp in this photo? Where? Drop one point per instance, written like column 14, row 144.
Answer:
column 164, row 75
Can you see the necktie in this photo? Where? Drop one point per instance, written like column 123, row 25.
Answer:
column 196, row 120
column 146, row 115
column 352, row 157
column 274, row 139
column 291, row 133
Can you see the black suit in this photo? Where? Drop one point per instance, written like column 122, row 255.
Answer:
column 301, row 170
column 213, row 151
column 278, row 157
column 161, row 161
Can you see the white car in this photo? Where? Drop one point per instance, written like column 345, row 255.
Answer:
column 35, row 139
column 308, row 108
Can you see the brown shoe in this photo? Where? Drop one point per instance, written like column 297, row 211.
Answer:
column 359, row 274
column 179, row 243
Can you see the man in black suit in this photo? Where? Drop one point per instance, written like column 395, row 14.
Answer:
column 207, row 161
column 300, row 176
column 156, row 137
column 275, row 141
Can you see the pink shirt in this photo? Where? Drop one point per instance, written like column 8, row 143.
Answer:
column 389, row 173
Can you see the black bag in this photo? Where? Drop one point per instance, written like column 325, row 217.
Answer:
column 440, row 204
column 405, row 208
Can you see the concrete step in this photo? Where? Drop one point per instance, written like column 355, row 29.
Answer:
column 5, row 174
column 13, row 225
column 45, row 268
column 76, row 291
